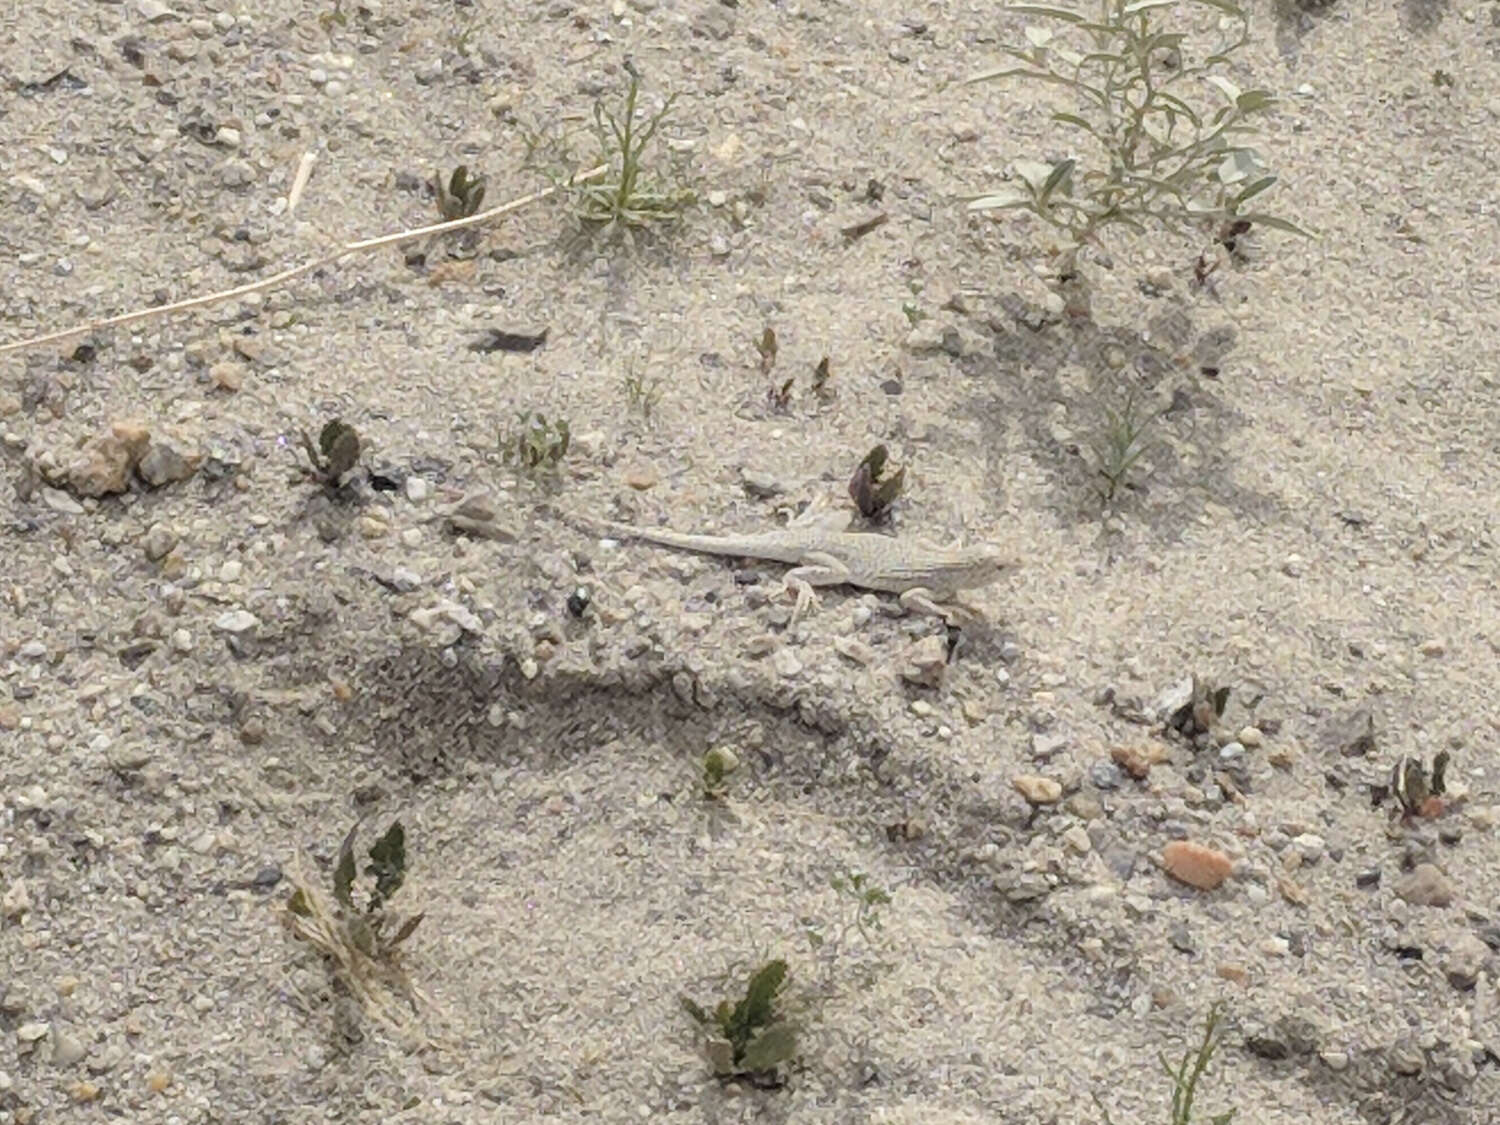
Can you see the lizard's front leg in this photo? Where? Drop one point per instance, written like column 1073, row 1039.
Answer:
column 919, row 600
column 815, row 570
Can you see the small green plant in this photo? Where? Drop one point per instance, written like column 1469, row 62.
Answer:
column 862, row 901
column 1159, row 159
column 627, row 199
column 1123, row 440
column 460, row 196
column 536, row 444
column 360, row 942
column 859, row 904
column 748, row 1037
column 718, row 764
column 332, row 18
column 642, row 392
column 335, row 455
column 1187, row 1074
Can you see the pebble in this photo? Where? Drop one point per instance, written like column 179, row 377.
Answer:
column 103, row 466
column 1038, row 790
column 1251, row 738
column 171, row 457
column 640, row 477
column 1310, row 846
column 67, row 1049
column 228, row 136
column 32, row 650
column 1105, row 776
column 160, row 542
column 227, row 375
column 1334, row 1060
column 1047, row 746
column 182, row 640
column 32, row 1032
column 235, row 174
column 1137, row 760
column 1465, row 960
column 1077, row 839
column 925, row 661
column 1426, row 885
column 60, row 501
column 1196, row 864
column 236, row 621
column 417, row 489
column 785, row 663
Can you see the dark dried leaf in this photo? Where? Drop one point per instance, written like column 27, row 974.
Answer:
column 497, row 340
column 387, row 864
column 344, row 871
column 407, row 929
column 768, row 1050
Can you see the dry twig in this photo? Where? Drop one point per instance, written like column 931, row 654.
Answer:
column 306, row 267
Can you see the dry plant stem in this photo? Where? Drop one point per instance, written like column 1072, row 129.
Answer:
column 299, row 181
column 306, row 267
column 384, row 991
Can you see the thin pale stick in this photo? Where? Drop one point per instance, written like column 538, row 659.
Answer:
column 306, row 267
column 299, row 181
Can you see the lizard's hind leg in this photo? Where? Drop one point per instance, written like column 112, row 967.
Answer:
column 817, row 570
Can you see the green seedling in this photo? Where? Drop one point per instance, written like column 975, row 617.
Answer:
column 859, row 904
column 872, row 489
column 1160, row 154
column 536, row 444
column 1124, row 439
column 335, row 455
column 748, row 1038
column 820, row 381
column 332, row 18
column 461, row 196
column 354, row 929
column 863, row 898
column 718, row 764
column 1187, row 1074
column 766, row 346
column 628, row 198
column 642, row 392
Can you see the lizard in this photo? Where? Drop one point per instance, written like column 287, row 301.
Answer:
column 822, row 554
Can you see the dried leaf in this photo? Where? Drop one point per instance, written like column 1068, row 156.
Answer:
column 344, row 871
column 772, row 1047
column 407, row 929
column 387, row 864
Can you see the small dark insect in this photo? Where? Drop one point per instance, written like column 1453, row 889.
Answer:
column 780, row 397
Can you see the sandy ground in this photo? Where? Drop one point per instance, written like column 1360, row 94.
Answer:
column 1313, row 528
